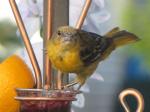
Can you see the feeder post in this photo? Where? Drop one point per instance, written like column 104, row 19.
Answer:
column 56, row 13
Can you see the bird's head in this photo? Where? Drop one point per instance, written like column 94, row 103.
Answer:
column 65, row 35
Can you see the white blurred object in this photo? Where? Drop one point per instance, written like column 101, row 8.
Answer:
column 80, row 101
column 36, row 38
column 100, row 3
column 5, row 11
column 31, row 13
column 97, row 76
column 99, row 17
column 85, row 88
column 97, row 14
column 38, row 52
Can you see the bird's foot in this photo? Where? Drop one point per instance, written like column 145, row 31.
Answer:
column 71, row 85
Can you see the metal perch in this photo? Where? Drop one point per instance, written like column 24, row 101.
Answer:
column 136, row 94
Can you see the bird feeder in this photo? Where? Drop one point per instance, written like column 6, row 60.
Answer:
column 48, row 96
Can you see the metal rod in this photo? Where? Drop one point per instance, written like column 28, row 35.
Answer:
column 136, row 94
column 83, row 14
column 27, row 43
column 59, row 80
column 47, row 34
column 44, row 99
column 60, row 18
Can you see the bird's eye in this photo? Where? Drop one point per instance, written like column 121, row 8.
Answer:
column 59, row 33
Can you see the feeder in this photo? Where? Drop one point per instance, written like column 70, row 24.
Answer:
column 48, row 96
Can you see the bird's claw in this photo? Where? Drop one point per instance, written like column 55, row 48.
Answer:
column 71, row 84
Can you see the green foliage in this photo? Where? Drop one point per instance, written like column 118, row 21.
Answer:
column 9, row 42
column 136, row 18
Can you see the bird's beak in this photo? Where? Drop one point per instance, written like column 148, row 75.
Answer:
column 66, row 38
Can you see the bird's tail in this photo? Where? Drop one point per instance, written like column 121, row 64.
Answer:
column 121, row 37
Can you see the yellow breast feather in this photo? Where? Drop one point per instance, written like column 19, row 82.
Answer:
column 63, row 60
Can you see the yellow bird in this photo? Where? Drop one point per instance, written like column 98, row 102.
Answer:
column 71, row 50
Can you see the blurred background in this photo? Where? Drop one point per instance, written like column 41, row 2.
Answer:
column 127, row 67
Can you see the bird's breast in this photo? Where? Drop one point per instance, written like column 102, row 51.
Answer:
column 66, row 60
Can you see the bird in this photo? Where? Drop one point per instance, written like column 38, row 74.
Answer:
column 72, row 50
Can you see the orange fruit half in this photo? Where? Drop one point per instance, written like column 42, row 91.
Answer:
column 14, row 73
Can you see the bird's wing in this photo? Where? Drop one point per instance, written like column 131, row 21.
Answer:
column 92, row 46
